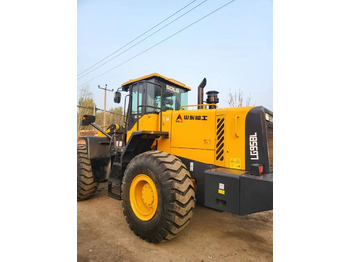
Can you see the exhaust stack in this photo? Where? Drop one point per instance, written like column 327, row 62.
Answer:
column 200, row 92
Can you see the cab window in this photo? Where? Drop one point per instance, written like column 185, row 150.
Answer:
column 134, row 99
column 173, row 98
column 153, row 98
column 150, row 95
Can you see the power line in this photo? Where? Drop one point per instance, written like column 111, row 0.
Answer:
column 138, row 37
column 141, row 40
column 160, row 41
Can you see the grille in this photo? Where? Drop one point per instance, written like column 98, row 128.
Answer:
column 220, row 134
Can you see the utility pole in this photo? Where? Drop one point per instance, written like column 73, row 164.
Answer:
column 104, row 112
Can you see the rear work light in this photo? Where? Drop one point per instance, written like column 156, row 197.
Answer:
column 268, row 117
column 257, row 169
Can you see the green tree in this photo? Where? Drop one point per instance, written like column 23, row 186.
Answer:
column 113, row 116
column 116, row 115
column 87, row 106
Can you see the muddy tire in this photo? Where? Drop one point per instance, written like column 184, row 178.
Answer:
column 86, row 185
column 158, row 196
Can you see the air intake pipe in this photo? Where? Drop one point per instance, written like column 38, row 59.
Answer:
column 212, row 98
column 200, row 92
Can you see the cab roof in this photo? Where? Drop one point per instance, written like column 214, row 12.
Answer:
column 173, row 81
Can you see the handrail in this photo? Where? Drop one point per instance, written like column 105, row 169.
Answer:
column 200, row 105
column 236, row 125
column 125, row 117
column 151, row 107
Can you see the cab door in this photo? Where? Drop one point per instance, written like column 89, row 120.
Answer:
column 137, row 92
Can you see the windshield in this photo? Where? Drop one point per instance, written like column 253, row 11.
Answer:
column 173, row 98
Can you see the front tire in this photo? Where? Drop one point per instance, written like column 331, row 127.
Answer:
column 158, row 196
column 86, row 186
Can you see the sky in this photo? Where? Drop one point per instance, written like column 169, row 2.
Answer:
column 232, row 47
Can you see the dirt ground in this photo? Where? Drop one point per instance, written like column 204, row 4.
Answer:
column 103, row 235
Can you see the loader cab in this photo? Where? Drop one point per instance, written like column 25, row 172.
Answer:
column 151, row 95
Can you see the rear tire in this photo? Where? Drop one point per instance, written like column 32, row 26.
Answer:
column 86, row 186
column 173, row 196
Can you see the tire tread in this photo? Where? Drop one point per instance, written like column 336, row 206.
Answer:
column 176, row 179
column 86, row 186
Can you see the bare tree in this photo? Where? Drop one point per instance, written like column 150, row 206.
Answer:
column 86, row 106
column 237, row 99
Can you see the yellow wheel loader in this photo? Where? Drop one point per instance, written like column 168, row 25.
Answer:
column 169, row 156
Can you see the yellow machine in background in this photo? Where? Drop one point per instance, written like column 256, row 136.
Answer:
column 173, row 154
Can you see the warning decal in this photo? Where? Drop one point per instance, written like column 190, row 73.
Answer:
column 235, row 163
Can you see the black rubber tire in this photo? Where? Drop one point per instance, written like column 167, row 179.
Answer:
column 86, row 185
column 175, row 195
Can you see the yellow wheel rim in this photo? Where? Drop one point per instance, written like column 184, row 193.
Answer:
column 143, row 197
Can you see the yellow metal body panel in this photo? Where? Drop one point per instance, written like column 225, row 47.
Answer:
column 157, row 75
column 211, row 136
column 234, row 137
column 204, row 156
column 193, row 129
column 164, row 143
column 149, row 122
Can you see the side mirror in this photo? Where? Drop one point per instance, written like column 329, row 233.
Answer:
column 87, row 120
column 117, row 97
